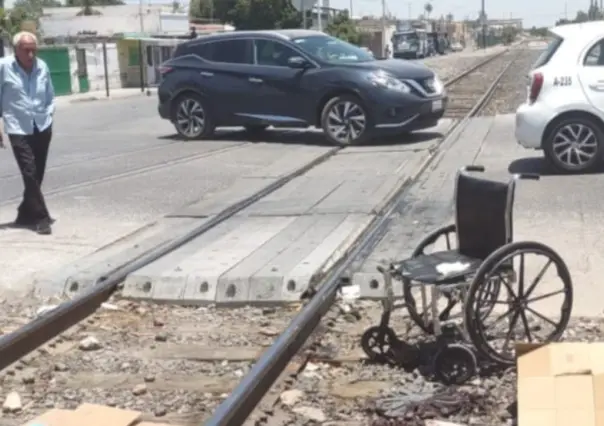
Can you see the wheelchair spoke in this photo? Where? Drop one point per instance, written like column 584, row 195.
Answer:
column 544, row 296
column 538, row 278
column 525, row 323
column 503, row 316
column 521, row 276
column 540, row 315
column 510, row 332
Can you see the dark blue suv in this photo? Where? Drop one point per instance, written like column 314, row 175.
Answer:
column 295, row 78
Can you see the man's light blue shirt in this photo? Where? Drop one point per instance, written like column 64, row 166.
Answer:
column 25, row 98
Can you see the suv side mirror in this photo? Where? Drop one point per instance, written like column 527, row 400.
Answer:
column 297, row 62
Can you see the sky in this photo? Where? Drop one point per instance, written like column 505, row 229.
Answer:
column 533, row 12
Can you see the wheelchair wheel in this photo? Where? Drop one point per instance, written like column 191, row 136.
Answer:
column 445, row 235
column 454, row 364
column 520, row 316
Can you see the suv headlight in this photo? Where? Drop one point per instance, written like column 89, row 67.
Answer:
column 385, row 81
column 439, row 86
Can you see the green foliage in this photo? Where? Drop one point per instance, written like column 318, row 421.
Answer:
column 509, row 35
column 344, row 28
column 538, row 32
column 249, row 14
column 90, row 3
column 592, row 14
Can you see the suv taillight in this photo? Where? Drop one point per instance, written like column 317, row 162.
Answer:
column 164, row 70
column 536, row 84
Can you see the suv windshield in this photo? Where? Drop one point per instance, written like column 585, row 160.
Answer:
column 332, row 50
column 548, row 52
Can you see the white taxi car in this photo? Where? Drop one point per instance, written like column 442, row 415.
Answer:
column 564, row 111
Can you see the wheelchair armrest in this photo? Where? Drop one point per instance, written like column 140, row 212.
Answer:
column 527, row 176
column 472, row 168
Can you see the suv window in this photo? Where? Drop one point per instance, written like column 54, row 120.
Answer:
column 270, row 52
column 549, row 52
column 229, row 51
column 595, row 55
column 198, row 49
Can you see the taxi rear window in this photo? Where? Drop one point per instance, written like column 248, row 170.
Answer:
column 549, row 51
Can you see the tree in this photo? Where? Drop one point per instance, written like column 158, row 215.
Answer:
column 92, row 3
column 22, row 11
column 428, row 9
column 250, row 14
column 344, row 28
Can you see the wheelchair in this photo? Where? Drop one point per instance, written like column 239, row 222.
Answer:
column 483, row 275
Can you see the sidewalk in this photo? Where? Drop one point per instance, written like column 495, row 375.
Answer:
column 101, row 95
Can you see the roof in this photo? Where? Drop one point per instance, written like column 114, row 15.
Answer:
column 584, row 30
column 284, row 34
column 64, row 21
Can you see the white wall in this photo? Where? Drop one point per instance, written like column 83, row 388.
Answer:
column 95, row 67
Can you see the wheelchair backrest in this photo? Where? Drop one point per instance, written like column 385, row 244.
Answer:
column 483, row 214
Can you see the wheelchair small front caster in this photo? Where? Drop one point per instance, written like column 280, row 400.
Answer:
column 377, row 343
column 454, row 364
column 382, row 345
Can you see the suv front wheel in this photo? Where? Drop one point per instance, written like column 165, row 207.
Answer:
column 344, row 120
column 191, row 118
column 574, row 145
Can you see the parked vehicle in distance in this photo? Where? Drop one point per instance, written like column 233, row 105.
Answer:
column 564, row 111
column 410, row 44
column 295, row 78
column 456, row 46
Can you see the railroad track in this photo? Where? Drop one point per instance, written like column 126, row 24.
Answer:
column 182, row 365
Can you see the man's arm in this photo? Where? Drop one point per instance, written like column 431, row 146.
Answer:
column 50, row 93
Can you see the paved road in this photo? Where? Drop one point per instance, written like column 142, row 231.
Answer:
column 560, row 211
column 114, row 167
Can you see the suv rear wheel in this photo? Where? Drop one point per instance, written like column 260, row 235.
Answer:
column 191, row 118
column 574, row 145
column 344, row 120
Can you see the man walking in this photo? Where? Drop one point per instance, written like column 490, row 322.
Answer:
column 27, row 107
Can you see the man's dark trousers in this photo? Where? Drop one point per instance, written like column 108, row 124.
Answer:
column 31, row 152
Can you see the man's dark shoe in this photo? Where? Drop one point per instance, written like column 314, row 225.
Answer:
column 43, row 227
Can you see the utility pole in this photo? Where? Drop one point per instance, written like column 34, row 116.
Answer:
column 320, row 12
column 483, row 21
column 351, row 9
column 409, row 5
column 384, row 27
column 140, row 14
column 566, row 11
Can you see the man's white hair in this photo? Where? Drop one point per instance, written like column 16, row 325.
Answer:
column 24, row 34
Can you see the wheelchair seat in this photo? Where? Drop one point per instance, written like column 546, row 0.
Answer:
column 443, row 267
column 483, row 219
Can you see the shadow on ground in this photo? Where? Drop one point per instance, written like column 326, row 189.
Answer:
column 540, row 166
column 309, row 137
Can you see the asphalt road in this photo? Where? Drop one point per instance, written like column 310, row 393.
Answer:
column 114, row 166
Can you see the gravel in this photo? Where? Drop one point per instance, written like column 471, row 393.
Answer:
column 511, row 92
column 175, row 364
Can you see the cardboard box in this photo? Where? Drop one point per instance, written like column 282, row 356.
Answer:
column 91, row 415
column 560, row 384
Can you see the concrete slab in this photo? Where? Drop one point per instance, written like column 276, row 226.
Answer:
column 275, row 249
column 249, row 259
column 559, row 211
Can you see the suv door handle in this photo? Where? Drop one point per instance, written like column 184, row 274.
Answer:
column 207, row 74
column 255, row 80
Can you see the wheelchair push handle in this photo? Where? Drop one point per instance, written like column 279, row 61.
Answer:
column 527, row 176
column 472, row 168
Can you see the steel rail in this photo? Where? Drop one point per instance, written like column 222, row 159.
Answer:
column 29, row 337
column 238, row 406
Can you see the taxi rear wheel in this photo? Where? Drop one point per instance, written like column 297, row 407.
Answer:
column 574, row 145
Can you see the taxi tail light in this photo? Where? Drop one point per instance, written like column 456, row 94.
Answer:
column 536, row 84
